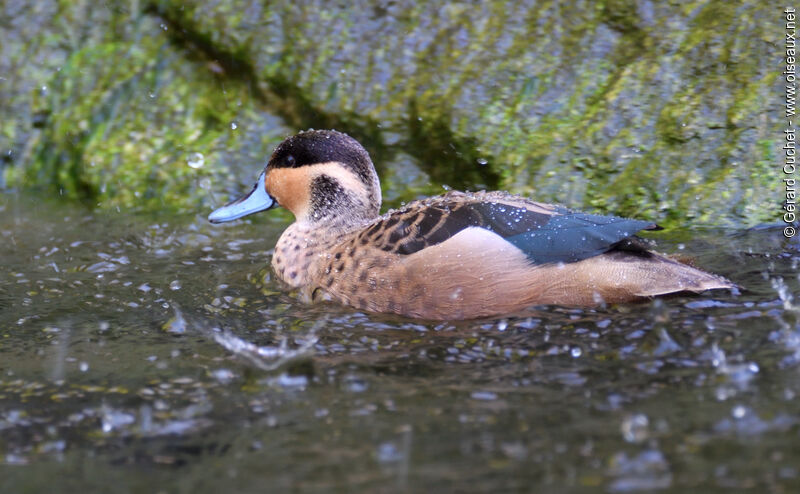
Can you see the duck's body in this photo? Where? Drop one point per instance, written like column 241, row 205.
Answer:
column 455, row 256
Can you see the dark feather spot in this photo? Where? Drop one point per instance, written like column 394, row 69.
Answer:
column 429, row 221
column 413, row 245
column 373, row 229
column 324, row 191
column 396, row 236
column 391, row 222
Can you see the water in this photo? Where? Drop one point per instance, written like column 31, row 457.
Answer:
column 156, row 354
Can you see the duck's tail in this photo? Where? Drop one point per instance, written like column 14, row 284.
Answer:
column 667, row 275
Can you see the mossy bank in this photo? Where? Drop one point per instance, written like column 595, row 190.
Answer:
column 669, row 112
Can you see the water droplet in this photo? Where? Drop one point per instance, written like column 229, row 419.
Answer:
column 176, row 325
column 389, row 453
column 223, row 375
column 576, row 352
column 195, row 160
column 287, row 381
column 355, row 384
column 738, row 412
column 483, row 395
column 114, row 419
column 233, row 126
column 634, row 428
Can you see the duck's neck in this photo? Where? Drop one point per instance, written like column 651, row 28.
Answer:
column 302, row 245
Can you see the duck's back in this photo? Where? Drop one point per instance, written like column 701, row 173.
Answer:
column 472, row 255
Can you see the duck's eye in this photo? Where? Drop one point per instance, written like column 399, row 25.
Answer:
column 290, row 160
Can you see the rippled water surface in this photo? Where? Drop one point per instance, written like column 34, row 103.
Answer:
column 155, row 354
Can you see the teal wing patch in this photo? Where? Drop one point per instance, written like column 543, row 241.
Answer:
column 572, row 237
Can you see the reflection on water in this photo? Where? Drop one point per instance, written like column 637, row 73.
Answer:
column 158, row 351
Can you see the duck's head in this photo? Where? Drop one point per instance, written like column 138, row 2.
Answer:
column 319, row 175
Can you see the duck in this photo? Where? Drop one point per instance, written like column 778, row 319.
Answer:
column 461, row 255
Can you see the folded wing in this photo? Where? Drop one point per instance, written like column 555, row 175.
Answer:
column 546, row 234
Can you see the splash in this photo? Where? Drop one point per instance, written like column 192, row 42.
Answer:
column 269, row 358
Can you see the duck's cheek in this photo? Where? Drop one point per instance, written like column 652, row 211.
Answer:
column 290, row 188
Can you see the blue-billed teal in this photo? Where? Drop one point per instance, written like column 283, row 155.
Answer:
column 455, row 256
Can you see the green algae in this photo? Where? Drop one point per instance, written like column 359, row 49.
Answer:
column 122, row 122
column 636, row 108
